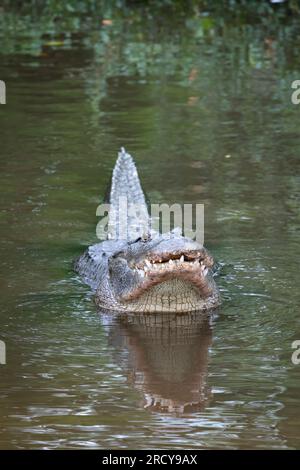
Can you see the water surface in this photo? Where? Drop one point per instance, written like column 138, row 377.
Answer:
column 209, row 120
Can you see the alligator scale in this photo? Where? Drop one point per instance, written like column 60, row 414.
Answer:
column 152, row 273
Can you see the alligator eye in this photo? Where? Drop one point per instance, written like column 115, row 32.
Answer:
column 135, row 241
column 116, row 255
column 145, row 237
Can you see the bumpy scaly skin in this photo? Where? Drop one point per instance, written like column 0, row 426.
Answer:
column 157, row 273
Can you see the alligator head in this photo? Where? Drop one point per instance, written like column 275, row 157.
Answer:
column 166, row 273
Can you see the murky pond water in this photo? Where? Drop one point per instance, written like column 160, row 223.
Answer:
column 209, row 121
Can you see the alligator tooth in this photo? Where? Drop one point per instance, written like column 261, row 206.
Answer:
column 148, row 263
column 145, row 269
column 205, row 272
column 181, row 259
column 141, row 272
column 171, row 262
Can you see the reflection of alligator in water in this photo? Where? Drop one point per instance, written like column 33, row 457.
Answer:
column 166, row 358
column 151, row 273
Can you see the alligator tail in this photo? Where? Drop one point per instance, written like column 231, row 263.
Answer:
column 128, row 215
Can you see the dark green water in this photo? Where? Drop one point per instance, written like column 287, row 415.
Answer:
column 209, row 121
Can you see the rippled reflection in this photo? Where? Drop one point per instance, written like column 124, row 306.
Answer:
column 166, row 358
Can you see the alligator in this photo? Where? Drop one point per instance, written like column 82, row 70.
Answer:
column 154, row 272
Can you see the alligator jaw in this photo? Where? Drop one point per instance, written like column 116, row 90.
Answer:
column 189, row 266
column 180, row 258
